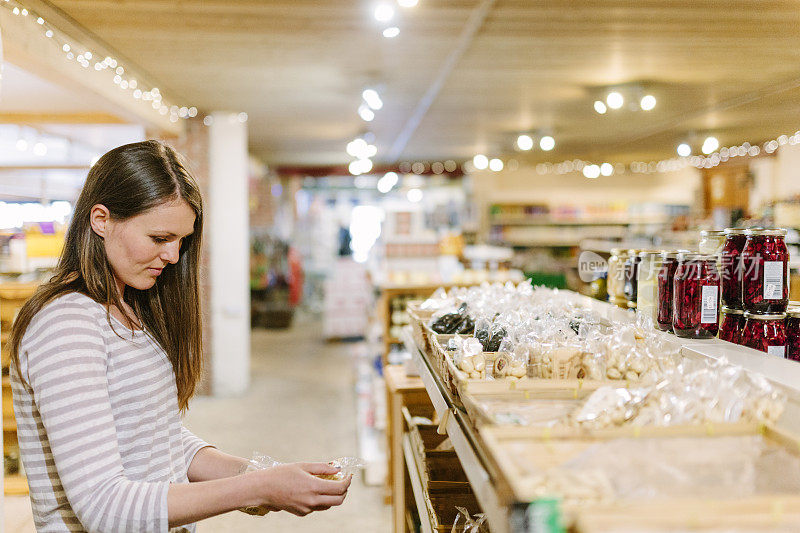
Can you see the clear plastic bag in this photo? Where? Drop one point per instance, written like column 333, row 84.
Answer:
column 464, row 523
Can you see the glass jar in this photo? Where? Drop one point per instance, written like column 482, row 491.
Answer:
column 711, row 242
column 731, row 325
column 631, row 270
column 666, row 275
column 793, row 334
column 647, row 283
column 731, row 267
column 765, row 332
column 765, row 271
column 695, row 299
column 615, row 281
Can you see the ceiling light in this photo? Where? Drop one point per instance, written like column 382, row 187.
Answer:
column 480, row 162
column 357, row 147
column 684, row 150
column 366, row 114
column 591, row 171
column 354, row 168
column 524, row 142
column 22, row 145
column 414, row 195
column 39, row 149
column 372, row 98
column 391, row 33
column 710, row 145
column 370, row 151
column 388, row 181
column 606, row 169
column 496, row 165
column 648, row 102
column 384, row 13
column 600, row 107
column 365, row 165
column 615, row 100
column 407, row 3
column 547, row 143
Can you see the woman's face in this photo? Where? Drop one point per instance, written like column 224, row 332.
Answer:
column 140, row 247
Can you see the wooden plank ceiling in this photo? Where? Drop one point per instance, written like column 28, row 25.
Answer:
column 297, row 67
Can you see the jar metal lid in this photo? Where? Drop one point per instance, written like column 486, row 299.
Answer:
column 694, row 256
column 670, row 254
column 616, row 251
column 735, row 231
column 649, row 253
column 731, row 311
column 772, row 232
column 793, row 312
column 775, row 316
column 712, row 233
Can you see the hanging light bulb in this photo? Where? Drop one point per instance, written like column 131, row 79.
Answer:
column 547, row 143
column 524, row 142
column 647, row 102
column 496, row 165
column 684, row 150
column 710, row 145
column 600, row 107
column 372, row 98
column 480, row 161
column 615, row 100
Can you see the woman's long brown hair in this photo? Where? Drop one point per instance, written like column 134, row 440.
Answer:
column 129, row 180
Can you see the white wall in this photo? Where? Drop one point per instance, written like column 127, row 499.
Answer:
column 787, row 171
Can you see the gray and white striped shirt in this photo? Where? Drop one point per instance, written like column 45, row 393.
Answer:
column 99, row 428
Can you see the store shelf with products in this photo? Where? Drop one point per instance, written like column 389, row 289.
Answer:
column 492, row 475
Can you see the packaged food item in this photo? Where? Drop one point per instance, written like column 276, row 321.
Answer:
column 696, row 297
column 258, row 461
column 711, row 242
column 766, row 333
column 616, row 277
column 630, row 284
column 666, row 276
column 793, row 334
column 765, row 275
column 731, row 267
column 647, row 283
column 731, row 325
column 452, row 321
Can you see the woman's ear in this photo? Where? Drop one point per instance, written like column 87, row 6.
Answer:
column 99, row 217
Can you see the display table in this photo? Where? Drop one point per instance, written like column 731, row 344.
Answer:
column 505, row 514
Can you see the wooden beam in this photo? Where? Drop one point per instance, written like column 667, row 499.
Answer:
column 25, row 45
column 89, row 117
column 44, row 167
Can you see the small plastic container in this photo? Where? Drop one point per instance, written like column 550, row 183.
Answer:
column 765, row 272
column 666, row 275
column 711, row 242
column 793, row 334
column 630, row 283
column 731, row 325
column 696, row 294
column 731, row 267
column 766, row 333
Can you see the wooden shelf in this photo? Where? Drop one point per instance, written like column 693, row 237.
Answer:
column 555, row 221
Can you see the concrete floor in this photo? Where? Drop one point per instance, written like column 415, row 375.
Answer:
column 300, row 407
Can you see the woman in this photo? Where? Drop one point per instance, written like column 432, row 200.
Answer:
column 106, row 355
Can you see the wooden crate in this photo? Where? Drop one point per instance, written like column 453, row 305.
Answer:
column 442, row 509
column 418, row 318
column 541, row 448
column 440, row 470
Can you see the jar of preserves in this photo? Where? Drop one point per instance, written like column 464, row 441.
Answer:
column 695, row 299
column 793, row 334
column 731, row 267
column 630, row 283
column 666, row 275
column 616, row 277
column 711, row 242
column 731, row 325
column 765, row 332
column 647, row 283
column 765, row 271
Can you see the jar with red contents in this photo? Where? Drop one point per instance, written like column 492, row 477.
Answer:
column 731, row 325
column 666, row 274
column 793, row 334
column 765, row 271
column 731, row 267
column 695, row 299
column 766, row 333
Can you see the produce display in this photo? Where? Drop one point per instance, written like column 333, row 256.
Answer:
column 765, row 277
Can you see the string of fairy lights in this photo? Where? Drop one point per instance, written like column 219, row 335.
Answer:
column 114, row 71
column 106, row 67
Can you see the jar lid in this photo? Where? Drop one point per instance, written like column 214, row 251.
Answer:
column 616, row 251
column 649, row 253
column 670, row 254
column 773, row 232
column 712, row 233
column 731, row 310
column 694, row 256
column 774, row 316
column 793, row 312
column 735, row 231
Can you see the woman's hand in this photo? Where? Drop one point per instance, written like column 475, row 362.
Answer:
column 294, row 487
